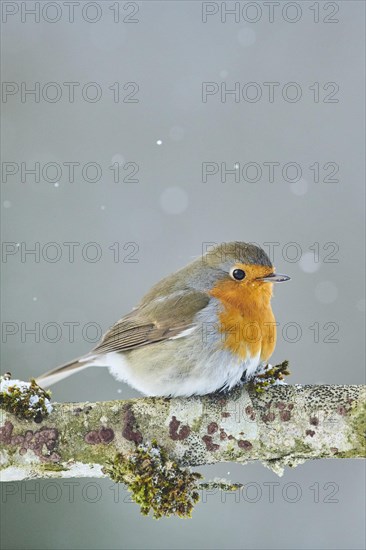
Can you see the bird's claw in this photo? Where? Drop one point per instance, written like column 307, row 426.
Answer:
column 270, row 376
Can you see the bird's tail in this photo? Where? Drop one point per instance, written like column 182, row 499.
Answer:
column 63, row 371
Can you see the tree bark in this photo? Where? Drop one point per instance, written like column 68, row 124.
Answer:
column 285, row 425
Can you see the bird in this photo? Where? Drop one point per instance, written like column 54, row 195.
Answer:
column 205, row 328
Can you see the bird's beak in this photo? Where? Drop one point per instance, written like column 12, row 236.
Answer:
column 274, row 278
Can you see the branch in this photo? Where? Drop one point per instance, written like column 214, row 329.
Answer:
column 285, row 425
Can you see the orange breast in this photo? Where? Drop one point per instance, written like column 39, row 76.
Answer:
column 246, row 319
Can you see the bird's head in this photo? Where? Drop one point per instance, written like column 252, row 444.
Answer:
column 238, row 269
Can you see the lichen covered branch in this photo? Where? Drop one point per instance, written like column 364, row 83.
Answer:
column 284, row 425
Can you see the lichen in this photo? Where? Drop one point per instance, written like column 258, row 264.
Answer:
column 176, row 431
column 53, row 468
column 24, row 399
column 43, row 443
column 301, row 447
column 231, row 455
column 210, row 445
column 221, row 484
column 357, row 441
column 156, row 482
column 196, row 424
column 277, row 465
column 103, row 435
column 129, row 431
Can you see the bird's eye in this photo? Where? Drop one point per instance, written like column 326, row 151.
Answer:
column 238, row 274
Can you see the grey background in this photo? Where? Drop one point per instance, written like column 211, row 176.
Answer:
column 169, row 214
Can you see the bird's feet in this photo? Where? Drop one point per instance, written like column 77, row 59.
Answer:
column 270, row 375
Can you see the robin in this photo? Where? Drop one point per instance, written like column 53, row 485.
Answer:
column 205, row 328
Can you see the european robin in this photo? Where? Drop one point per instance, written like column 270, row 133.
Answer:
column 207, row 327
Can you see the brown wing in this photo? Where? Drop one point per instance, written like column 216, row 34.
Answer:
column 158, row 320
